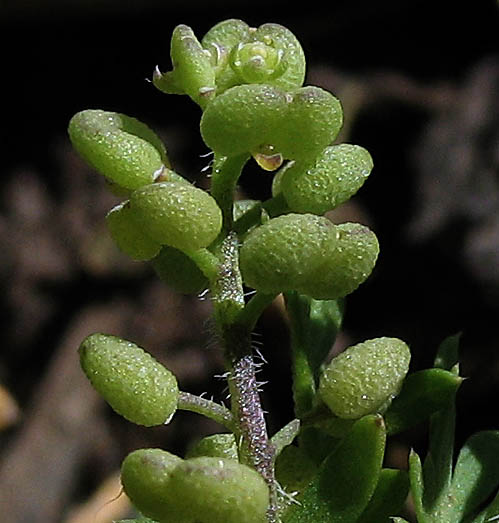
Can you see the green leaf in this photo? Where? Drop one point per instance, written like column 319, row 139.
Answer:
column 438, row 464
column 388, row 498
column 490, row 513
column 448, row 354
column 317, row 320
column 346, row 480
column 476, row 476
column 416, row 481
column 423, row 393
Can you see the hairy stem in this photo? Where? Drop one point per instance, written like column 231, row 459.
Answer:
column 255, row 448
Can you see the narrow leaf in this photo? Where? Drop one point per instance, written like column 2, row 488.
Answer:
column 423, row 393
column 476, row 475
column 388, row 498
column 347, row 479
column 417, row 486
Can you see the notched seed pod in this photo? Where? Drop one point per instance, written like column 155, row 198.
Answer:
column 346, row 264
column 178, row 271
column 286, row 252
column 215, row 446
column 177, row 214
column 192, row 73
column 243, row 119
column 145, row 474
column 129, row 379
column 335, row 176
column 215, row 490
column 365, row 377
column 128, row 235
column 123, row 149
column 313, row 120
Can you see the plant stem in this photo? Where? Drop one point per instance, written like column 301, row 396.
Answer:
column 208, row 408
column 225, row 173
column 254, row 446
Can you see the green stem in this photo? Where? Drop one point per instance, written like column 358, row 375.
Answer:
column 254, row 308
column 205, row 407
column 225, row 173
column 206, row 261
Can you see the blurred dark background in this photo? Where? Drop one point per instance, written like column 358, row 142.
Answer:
column 419, row 83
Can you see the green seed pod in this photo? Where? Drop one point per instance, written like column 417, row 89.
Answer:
column 177, row 214
column 346, row 264
column 338, row 173
column 270, row 54
column 219, row 41
column 365, row 377
column 178, row 271
column 145, row 474
column 215, row 490
column 313, row 120
column 192, row 67
column 243, row 119
column 293, row 58
column 129, row 379
column 286, row 252
column 128, row 235
column 121, row 148
column 215, row 446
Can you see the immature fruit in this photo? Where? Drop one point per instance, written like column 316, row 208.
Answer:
column 145, row 474
column 243, row 118
column 216, row 490
column 177, row 214
column 286, row 252
column 123, row 149
column 313, row 120
column 128, row 235
column 346, row 264
column 365, row 377
column 129, row 379
column 177, row 270
column 270, row 54
column 337, row 174
column 216, row 446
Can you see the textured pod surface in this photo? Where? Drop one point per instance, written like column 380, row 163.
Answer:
column 192, row 68
column 365, row 377
column 129, row 379
column 286, row 252
column 177, row 214
column 313, row 120
column 216, row 490
column 216, row 446
column 243, row 118
column 336, row 176
column 177, row 270
column 347, row 264
column 144, row 475
column 120, row 147
column 128, row 235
